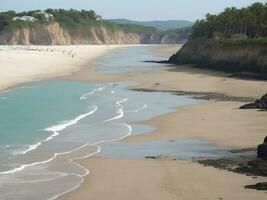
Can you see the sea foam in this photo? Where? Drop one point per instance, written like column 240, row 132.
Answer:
column 55, row 129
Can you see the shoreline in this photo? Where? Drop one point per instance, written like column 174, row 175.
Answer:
column 103, row 170
column 221, row 117
column 199, row 82
column 22, row 64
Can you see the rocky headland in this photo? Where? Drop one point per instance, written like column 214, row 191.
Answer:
column 244, row 59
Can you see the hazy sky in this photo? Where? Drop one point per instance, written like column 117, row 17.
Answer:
column 133, row 9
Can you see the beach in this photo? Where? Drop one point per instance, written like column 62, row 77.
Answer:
column 217, row 120
column 19, row 64
column 160, row 179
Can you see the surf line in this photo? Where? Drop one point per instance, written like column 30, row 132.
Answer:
column 97, row 144
column 60, row 127
column 55, row 129
column 84, row 96
column 138, row 109
column 120, row 112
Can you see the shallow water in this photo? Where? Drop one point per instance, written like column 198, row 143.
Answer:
column 129, row 60
column 55, row 122
column 175, row 149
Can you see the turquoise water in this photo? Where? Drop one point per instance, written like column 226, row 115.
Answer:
column 45, row 126
column 130, row 60
column 29, row 109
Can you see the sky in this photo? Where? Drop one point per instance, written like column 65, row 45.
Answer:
column 134, row 9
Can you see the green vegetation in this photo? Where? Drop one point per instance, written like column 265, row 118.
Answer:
column 233, row 41
column 250, row 42
column 250, row 22
column 159, row 25
column 74, row 21
column 6, row 19
column 7, row 22
column 134, row 28
column 180, row 34
column 78, row 24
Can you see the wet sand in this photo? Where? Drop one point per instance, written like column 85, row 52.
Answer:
column 217, row 121
column 160, row 179
column 220, row 122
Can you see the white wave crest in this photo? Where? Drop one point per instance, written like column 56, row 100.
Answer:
column 55, row 130
column 84, row 96
column 138, row 109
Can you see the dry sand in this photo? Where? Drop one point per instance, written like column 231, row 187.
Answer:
column 19, row 64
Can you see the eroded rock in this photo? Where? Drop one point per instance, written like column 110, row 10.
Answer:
column 258, row 104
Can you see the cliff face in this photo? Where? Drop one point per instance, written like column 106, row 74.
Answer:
column 38, row 34
column 224, row 56
column 54, row 34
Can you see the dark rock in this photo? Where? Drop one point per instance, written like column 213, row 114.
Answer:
column 256, row 167
column 262, row 149
column 250, row 106
column 258, row 104
column 157, row 61
column 258, row 186
column 156, row 157
column 151, row 157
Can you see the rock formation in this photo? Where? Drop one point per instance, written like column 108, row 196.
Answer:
column 262, row 150
column 258, row 104
column 226, row 56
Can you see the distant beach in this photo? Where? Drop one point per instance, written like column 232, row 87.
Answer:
column 19, row 64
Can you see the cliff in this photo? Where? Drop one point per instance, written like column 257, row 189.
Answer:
column 224, row 55
column 54, row 34
column 65, row 27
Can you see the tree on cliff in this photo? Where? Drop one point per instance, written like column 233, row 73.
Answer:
column 250, row 21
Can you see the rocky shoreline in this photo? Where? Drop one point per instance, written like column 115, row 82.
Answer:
column 200, row 95
column 258, row 104
column 245, row 165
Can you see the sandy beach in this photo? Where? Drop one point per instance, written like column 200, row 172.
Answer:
column 160, row 179
column 217, row 121
column 20, row 64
